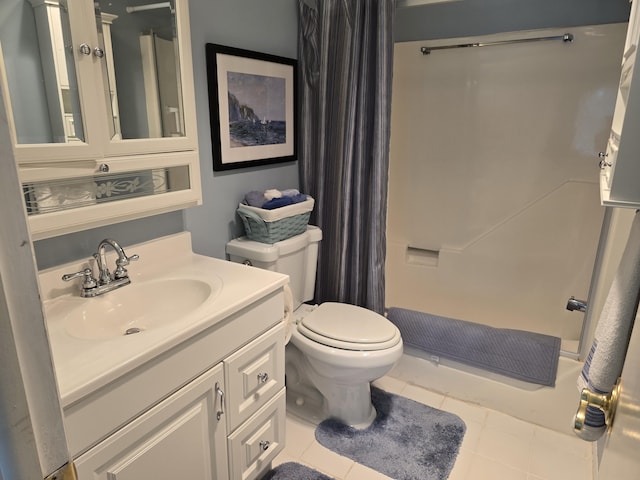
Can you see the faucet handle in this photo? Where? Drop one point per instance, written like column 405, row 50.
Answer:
column 121, row 262
column 121, row 272
column 87, row 275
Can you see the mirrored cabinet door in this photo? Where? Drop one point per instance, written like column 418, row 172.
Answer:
column 89, row 80
column 148, row 73
column 43, row 71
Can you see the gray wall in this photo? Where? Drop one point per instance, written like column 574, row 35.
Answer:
column 465, row 18
column 271, row 27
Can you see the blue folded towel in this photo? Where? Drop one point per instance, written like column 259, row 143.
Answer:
column 278, row 202
column 300, row 197
column 268, row 201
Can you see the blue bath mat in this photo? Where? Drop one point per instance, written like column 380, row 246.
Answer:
column 407, row 440
column 294, row 471
column 527, row 356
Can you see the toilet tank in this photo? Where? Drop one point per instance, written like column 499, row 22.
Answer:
column 296, row 256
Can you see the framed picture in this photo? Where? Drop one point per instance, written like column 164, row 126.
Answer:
column 252, row 107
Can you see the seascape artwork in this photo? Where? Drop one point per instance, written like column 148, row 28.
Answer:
column 257, row 110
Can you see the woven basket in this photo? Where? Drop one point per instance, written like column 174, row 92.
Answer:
column 271, row 226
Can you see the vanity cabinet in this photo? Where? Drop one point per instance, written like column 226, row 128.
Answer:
column 620, row 162
column 228, row 422
column 102, row 109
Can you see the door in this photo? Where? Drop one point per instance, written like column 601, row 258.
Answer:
column 620, row 460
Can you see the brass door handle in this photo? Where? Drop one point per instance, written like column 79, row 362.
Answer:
column 606, row 402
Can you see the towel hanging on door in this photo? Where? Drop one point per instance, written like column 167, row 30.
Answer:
column 604, row 363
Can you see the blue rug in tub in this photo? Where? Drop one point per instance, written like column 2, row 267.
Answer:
column 527, row 356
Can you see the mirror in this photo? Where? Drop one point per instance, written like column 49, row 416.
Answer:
column 40, row 72
column 142, row 68
column 137, row 56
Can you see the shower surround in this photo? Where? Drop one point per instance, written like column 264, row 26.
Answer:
column 494, row 213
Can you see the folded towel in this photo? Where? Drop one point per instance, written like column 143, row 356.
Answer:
column 272, row 193
column 291, row 192
column 300, row 197
column 278, row 202
column 255, row 199
column 611, row 338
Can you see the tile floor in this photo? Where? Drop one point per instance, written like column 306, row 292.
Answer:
column 495, row 446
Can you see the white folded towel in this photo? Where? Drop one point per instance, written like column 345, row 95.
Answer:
column 272, row 193
column 611, row 338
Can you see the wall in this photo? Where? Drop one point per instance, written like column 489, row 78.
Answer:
column 465, row 18
column 269, row 27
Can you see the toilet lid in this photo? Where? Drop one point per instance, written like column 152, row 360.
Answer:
column 349, row 327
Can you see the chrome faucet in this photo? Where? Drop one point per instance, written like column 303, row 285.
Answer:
column 105, row 281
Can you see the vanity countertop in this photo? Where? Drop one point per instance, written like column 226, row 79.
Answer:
column 83, row 364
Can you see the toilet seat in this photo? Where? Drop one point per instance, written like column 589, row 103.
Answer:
column 349, row 327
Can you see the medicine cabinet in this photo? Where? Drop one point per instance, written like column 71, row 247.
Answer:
column 620, row 162
column 102, row 109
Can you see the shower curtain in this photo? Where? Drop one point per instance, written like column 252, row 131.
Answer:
column 346, row 61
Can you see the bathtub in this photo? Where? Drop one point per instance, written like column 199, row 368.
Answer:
column 550, row 407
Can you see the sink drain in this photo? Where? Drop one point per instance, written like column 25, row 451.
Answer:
column 131, row 331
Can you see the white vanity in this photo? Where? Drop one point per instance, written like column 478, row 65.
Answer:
column 196, row 392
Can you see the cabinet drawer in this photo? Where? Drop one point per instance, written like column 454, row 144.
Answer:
column 255, row 444
column 253, row 375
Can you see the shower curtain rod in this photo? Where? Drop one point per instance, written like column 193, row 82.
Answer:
column 567, row 38
column 152, row 6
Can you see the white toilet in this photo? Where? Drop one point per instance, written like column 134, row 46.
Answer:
column 336, row 349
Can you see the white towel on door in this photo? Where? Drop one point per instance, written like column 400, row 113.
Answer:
column 611, row 339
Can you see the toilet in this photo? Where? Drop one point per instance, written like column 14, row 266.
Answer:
column 336, row 350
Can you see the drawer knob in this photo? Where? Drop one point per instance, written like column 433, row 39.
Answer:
column 264, row 445
column 263, row 377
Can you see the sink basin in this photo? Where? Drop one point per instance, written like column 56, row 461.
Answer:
column 136, row 308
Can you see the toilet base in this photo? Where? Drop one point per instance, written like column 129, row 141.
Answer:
column 316, row 398
column 305, row 408
column 310, row 406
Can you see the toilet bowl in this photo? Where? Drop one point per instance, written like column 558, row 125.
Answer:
column 336, row 350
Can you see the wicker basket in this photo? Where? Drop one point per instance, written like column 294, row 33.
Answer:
column 271, row 226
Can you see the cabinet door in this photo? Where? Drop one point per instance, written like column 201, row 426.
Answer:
column 182, row 437
column 49, row 81
column 147, row 76
column 620, row 166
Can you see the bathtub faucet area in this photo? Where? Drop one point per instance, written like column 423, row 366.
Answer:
column 575, row 304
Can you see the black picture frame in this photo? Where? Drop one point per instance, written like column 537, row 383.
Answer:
column 252, row 107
